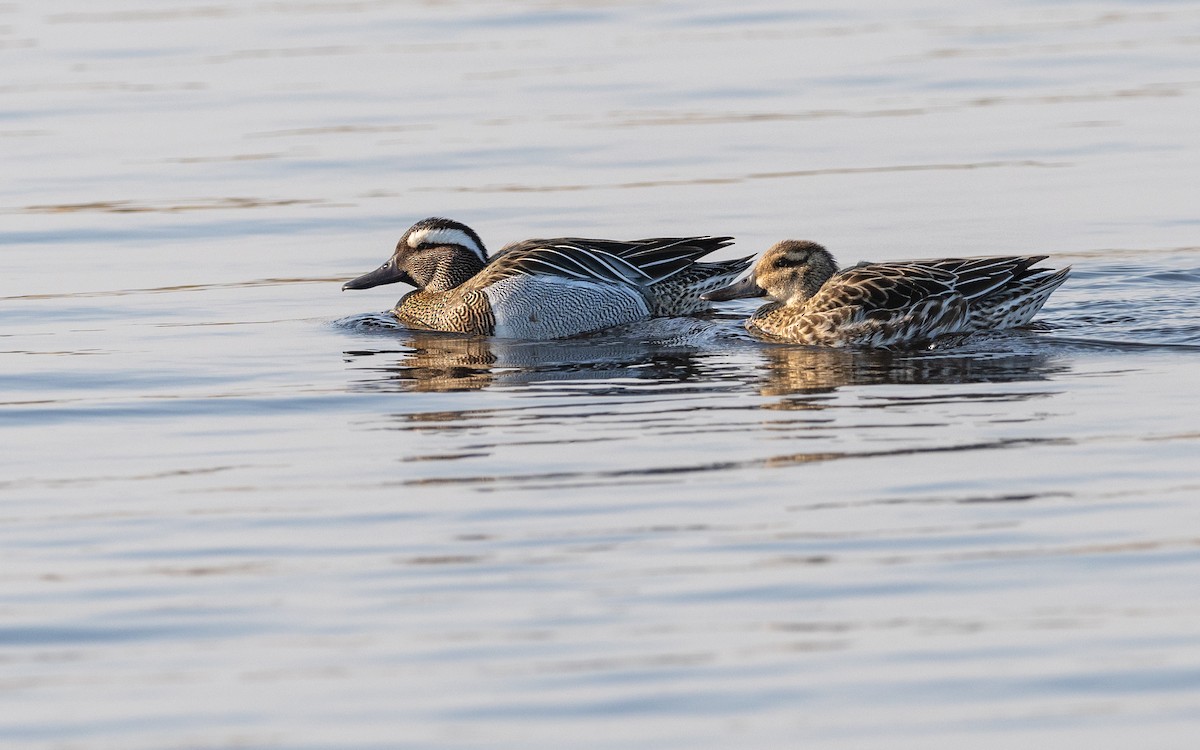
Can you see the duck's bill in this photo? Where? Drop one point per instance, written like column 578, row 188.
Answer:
column 388, row 273
column 744, row 288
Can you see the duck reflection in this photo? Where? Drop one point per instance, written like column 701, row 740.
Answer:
column 429, row 363
column 807, row 370
column 432, row 361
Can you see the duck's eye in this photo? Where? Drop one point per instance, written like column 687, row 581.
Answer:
column 790, row 261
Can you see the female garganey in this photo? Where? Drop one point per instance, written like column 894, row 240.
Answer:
column 888, row 304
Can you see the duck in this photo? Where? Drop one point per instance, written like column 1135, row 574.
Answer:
column 888, row 304
column 540, row 289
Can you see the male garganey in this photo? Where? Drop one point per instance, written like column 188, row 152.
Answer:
column 546, row 288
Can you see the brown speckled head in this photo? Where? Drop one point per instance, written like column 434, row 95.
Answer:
column 791, row 271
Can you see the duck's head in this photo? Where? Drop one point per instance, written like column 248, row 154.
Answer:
column 434, row 254
column 790, row 271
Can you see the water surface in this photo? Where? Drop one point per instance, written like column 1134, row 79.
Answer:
column 239, row 508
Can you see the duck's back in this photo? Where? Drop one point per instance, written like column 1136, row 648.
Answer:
column 878, row 305
column 676, row 292
column 543, row 289
column 1001, row 291
column 550, row 307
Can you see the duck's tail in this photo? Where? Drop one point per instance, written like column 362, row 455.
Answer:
column 680, row 294
column 1016, row 302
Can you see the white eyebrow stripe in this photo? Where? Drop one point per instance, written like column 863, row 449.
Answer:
column 444, row 236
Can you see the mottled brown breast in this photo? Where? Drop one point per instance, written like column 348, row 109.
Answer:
column 457, row 311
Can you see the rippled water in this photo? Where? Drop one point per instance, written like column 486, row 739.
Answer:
column 239, row 508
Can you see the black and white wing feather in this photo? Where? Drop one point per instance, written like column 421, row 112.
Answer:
column 639, row 263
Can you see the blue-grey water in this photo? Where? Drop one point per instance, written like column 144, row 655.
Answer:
column 242, row 509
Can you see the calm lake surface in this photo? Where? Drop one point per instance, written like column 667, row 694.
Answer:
column 242, row 509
